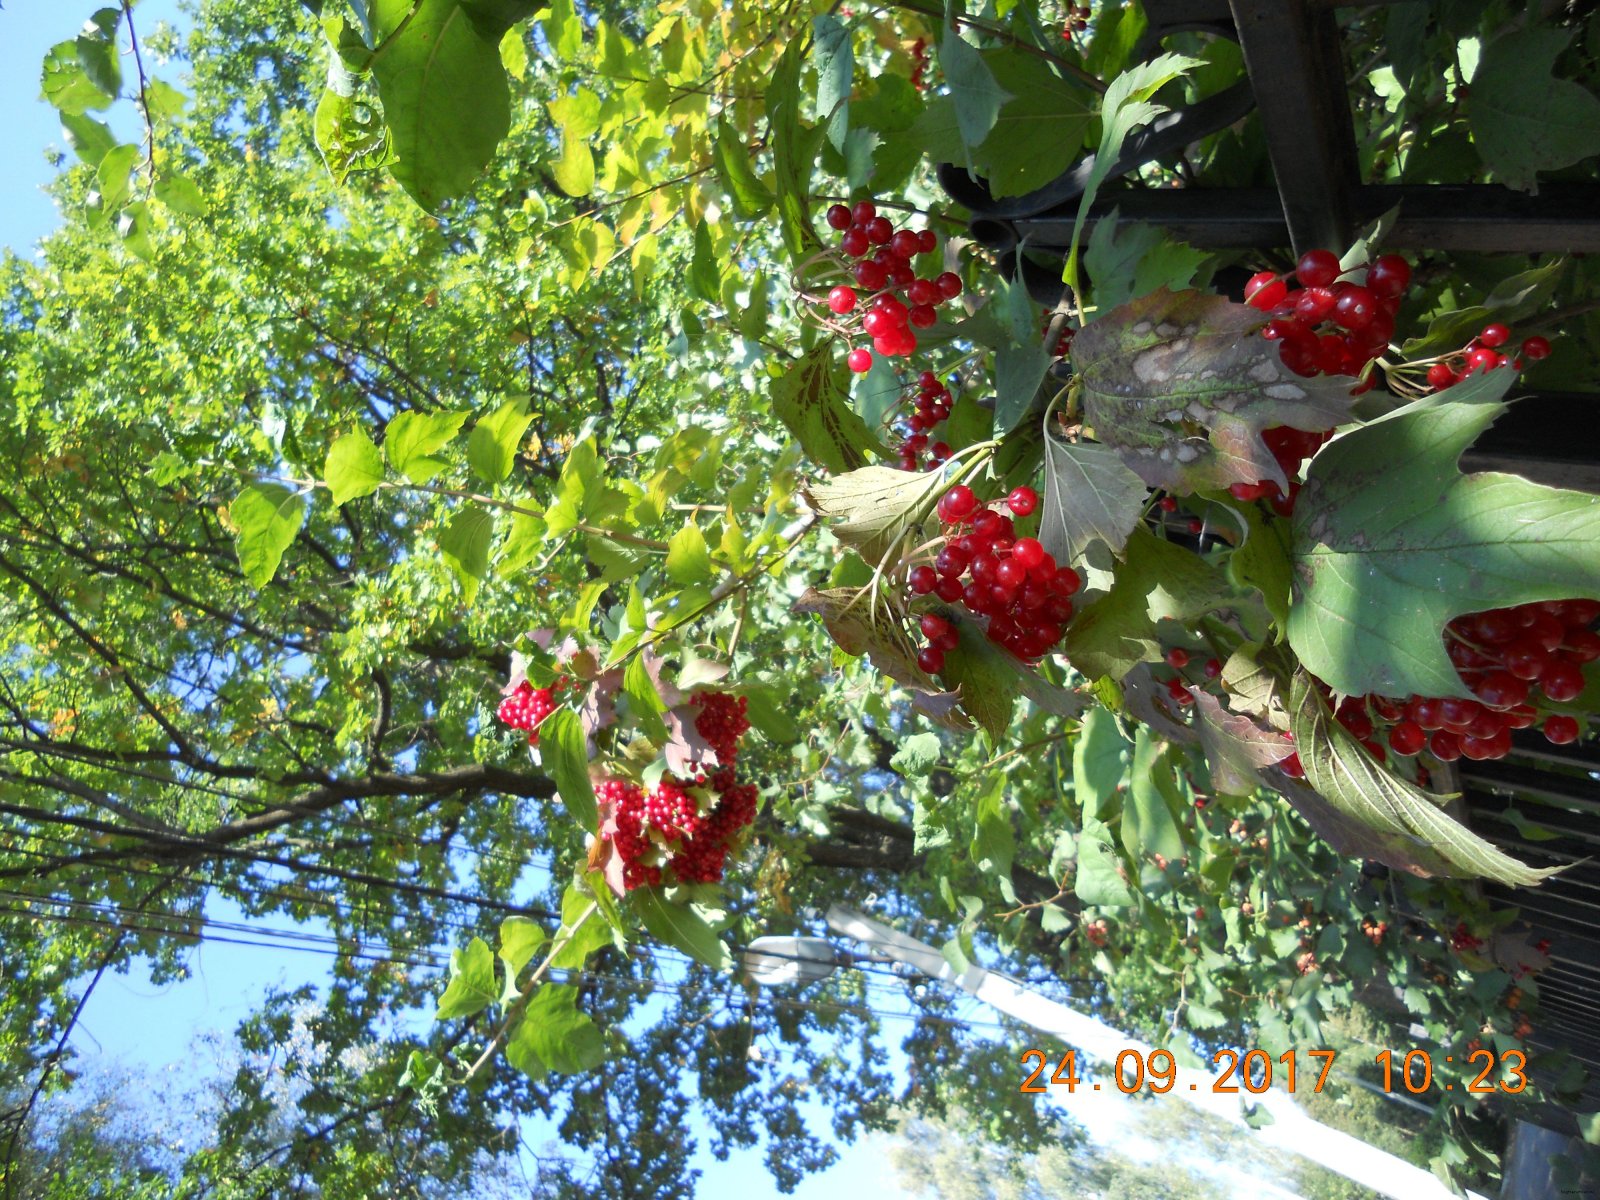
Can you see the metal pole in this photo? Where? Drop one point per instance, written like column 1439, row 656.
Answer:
column 1291, row 1130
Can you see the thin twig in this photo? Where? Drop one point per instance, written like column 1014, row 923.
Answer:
column 144, row 98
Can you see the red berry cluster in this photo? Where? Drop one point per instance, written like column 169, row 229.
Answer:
column 1511, row 659
column 919, row 64
column 902, row 301
column 1010, row 580
column 687, row 826
column 1484, row 353
column 931, row 406
column 1063, row 345
column 1330, row 326
column 1290, row 447
column 1077, row 20
column 1178, row 688
column 528, row 706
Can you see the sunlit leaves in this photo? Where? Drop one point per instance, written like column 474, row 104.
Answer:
column 681, row 926
column 577, row 117
column 554, row 1035
column 354, row 468
column 564, row 752
column 412, row 439
column 835, row 66
column 1039, row 129
column 811, row 400
column 1379, row 570
column 472, row 987
column 267, row 517
column 492, row 444
column 464, row 545
column 977, row 94
column 873, row 509
column 1089, row 496
column 85, row 73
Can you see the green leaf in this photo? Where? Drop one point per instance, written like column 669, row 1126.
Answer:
column 1018, row 371
column 812, row 403
column 98, row 51
column 835, row 68
column 1089, row 497
column 554, row 1035
column 492, row 444
column 114, row 175
column 1262, row 561
column 579, row 936
column 577, row 116
column 647, row 705
column 1147, row 824
column 877, row 391
column 1236, row 747
column 520, row 939
column 1100, row 758
column 179, row 193
column 973, row 87
column 267, row 517
column 444, row 92
column 1513, row 299
column 1353, row 782
column 1391, row 542
column 1039, row 130
column 354, row 468
column 564, row 30
column 1101, row 878
column 688, row 556
column 89, row 139
column 472, row 988
column 1524, row 119
column 1589, row 1127
column 465, row 547
column 1128, row 260
column 1125, row 106
column 680, row 926
column 917, row 755
column 751, row 198
column 411, row 438
column 68, row 85
column 794, row 154
column 522, row 544
column 874, row 508
column 705, row 271
column 350, row 132
column 994, row 842
column 563, row 750
column 134, row 226
column 990, row 681
column 1157, row 581
column 1182, row 386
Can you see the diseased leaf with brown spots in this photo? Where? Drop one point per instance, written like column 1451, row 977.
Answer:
column 1182, row 384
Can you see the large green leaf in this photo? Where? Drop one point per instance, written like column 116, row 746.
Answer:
column 1039, row 129
column 874, row 508
column 437, row 64
column 492, row 444
column 973, row 88
column 1157, row 581
column 751, row 198
column 411, row 438
column 1102, row 877
column 554, row 1035
column 472, row 988
column 991, row 680
column 563, row 750
column 354, row 468
column 1523, row 119
column 1089, row 496
column 1391, row 541
column 1148, row 827
column 1100, row 758
column 267, row 517
column 1182, row 385
column 811, row 400
column 681, row 926
column 465, row 547
column 1350, row 779
column 994, row 842
column 835, row 66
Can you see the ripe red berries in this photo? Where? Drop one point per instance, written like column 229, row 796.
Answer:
column 528, row 706
column 1317, row 268
column 957, row 504
column 1022, row 501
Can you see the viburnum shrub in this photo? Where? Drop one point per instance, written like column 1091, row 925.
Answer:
column 527, row 707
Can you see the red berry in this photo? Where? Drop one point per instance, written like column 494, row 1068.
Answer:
column 923, row 579
column 948, row 589
column 1481, row 358
column 949, row 285
column 854, row 242
column 1389, row 275
column 879, row 231
column 838, row 217
column 842, row 299
column 1355, row 307
column 1028, row 553
column 870, row 275
column 1265, row 291
column 933, row 626
column 927, row 241
column 1440, row 376
column 1177, row 658
column 1407, row 738
column 931, row 659
column 860, row 361
column 1168, row 504
column 1446, row 746
column 1536, row 348
column 1501, row 689
column 1561, row 681
column 906, row 243
column 1494, row 335
column 1561, row 729
column 923, row 291
column 1291, row 767
column 863, row 212
column 922, row 316
column 1213, row 668
column 1317, row 268
column 957, row 504
column 1314, row 304
column 1581, row 646
column 1022, row 500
